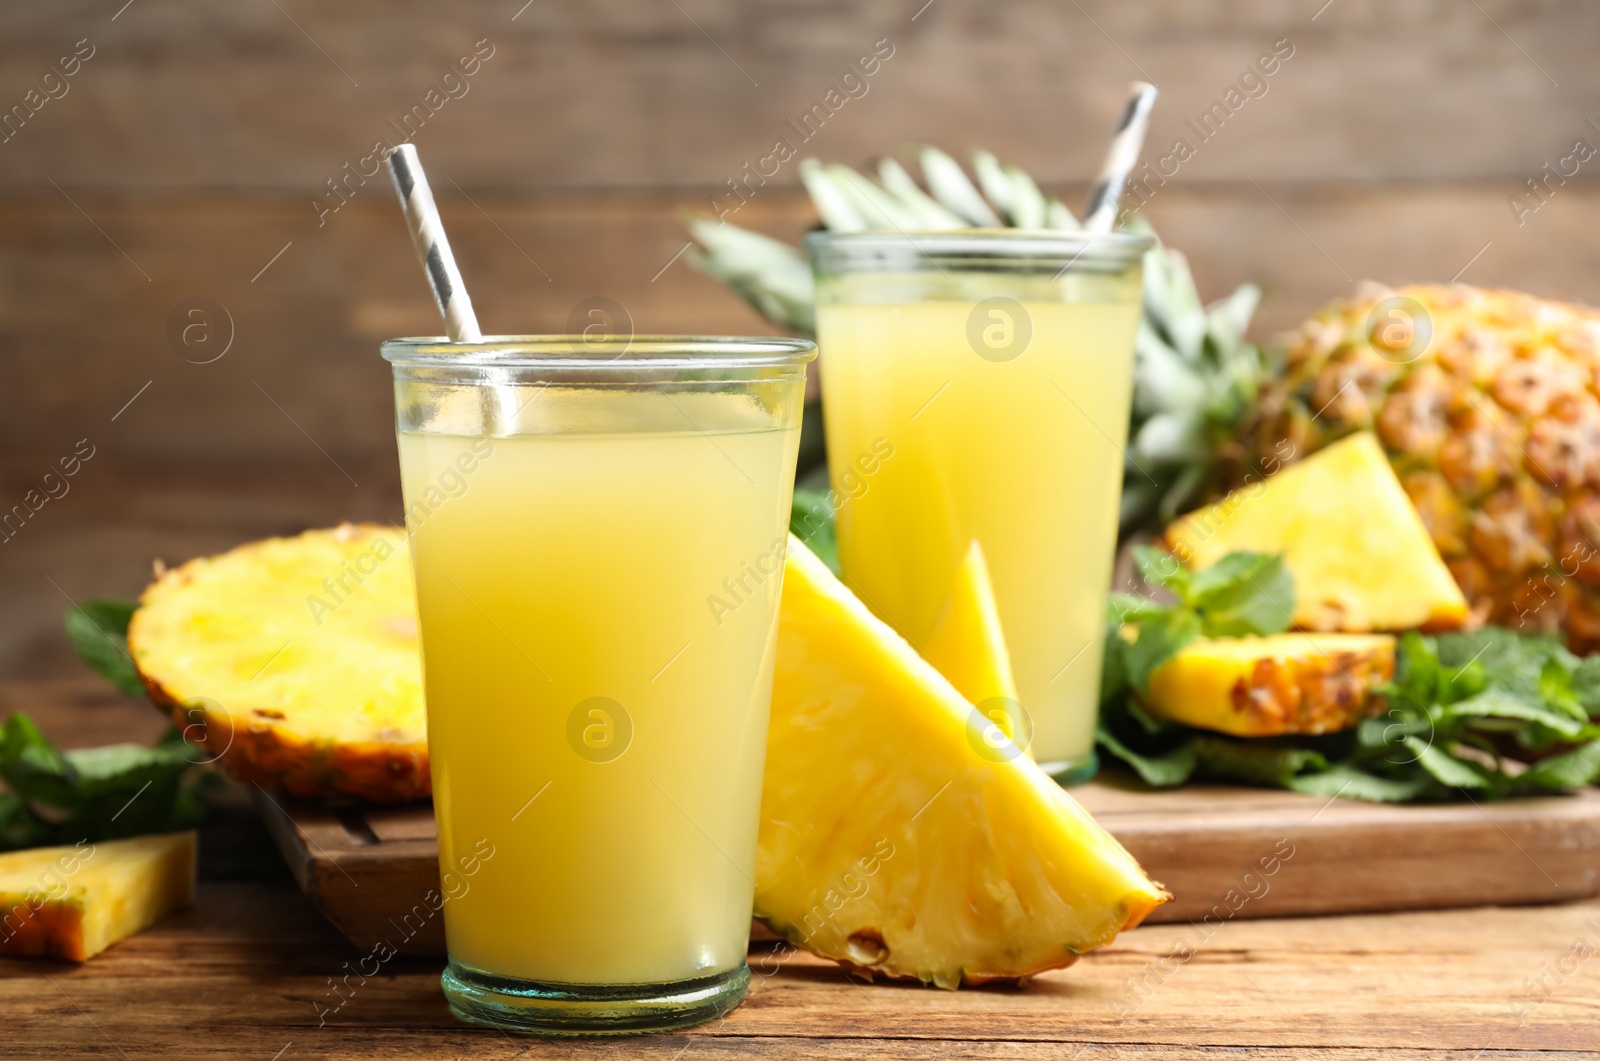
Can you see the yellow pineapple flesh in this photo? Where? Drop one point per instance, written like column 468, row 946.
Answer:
column 1361, row 557
column 74, row 902
column 1273, row 686
column 1488, row 406
column 295, row 661
column 968, row 646
column 893, row 838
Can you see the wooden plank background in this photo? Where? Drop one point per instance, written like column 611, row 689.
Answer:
column 186, row 153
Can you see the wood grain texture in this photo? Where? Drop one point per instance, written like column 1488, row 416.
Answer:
column 625, row 93
column 254, row 971
column 1225, row 853
column 82, row 330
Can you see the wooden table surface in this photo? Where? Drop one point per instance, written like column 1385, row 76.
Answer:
column 254, row 972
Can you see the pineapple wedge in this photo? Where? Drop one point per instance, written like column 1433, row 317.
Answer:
column 892, row 839
column 967, row 645
column 74, row 902
column 1361, row 558
column 1272, row 686
column 295, row 661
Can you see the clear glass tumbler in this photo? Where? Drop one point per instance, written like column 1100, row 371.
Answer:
column 994, row 368
column 597, row 708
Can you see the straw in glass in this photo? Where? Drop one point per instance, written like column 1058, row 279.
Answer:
column 433, row 249
column 1104, row 198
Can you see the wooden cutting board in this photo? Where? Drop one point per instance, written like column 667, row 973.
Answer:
column 1223, row 852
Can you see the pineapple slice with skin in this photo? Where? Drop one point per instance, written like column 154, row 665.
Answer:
column 1361, row 557
column 74, row 902
column 1273, row 686
column 893, row 839
column 295, row 661
column 968, row 647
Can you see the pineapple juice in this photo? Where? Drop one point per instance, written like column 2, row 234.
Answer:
column 1021, row 451
column 598, row 614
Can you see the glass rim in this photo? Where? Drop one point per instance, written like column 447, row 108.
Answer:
column 987, row 243
column 580, row 353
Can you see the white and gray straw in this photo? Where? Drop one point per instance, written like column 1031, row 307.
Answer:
column 1100, row 215
column 433, row 249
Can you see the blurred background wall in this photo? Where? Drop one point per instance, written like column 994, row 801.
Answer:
column 156, row 152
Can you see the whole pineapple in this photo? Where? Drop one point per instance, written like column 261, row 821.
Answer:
column 1488, row 406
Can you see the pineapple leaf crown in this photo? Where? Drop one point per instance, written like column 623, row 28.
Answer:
column 1195, row 373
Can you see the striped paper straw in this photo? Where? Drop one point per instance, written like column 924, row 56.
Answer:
column 1101, row 212
column 433, row 249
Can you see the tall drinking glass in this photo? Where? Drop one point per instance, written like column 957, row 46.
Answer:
column 996, row 369
column 597, row 715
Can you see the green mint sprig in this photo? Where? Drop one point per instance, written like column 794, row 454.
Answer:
column 52, row 796
column 1487, row 714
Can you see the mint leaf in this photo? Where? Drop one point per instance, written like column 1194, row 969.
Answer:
column 1586, row 684
column 1350, row 782
column 811, row 519
column 1242, row 594
column 1160, row 568
column 1124, row 608
column 1499, row 703
column 1556, row 689
column 18, row 826
column 1159, row 639
column 1387, row 733
column 1500, row 657
column 98, row 630
column 1113, row 670
column 1446, row 768
column 1255, row 762
column 1573, row 769
column 31, row 766
column 55, row 797
column 1418, row 675
column 1159, row 769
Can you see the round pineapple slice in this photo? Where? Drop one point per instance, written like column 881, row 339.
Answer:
column 898, row 835
column 295, row 662
column 1271, row 686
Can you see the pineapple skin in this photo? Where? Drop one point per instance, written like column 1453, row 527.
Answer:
column 374, row 771
column 1493, row 427
column 1274, row 686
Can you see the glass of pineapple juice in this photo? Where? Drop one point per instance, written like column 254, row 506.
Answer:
column 996, row 367
column 597, row 695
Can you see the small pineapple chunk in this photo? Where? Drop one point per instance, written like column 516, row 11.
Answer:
column 967, row 645
column 894, row 838
column 1361, row 558
column 74, row 902
column 1271, row 686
